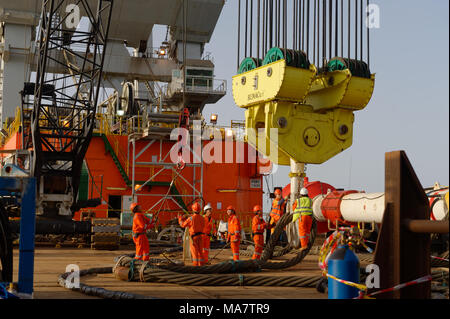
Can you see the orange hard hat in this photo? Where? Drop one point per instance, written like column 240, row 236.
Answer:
column 231, row 208
column 257, row 208
column 196, row 207
column 277, row 191
column 133, row 206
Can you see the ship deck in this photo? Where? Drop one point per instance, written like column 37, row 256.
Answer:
column 51, row 261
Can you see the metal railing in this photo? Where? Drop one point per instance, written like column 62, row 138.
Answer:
column 204, row 84
column 12, row 128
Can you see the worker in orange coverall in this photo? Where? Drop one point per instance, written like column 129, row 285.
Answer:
column 207, row 231
column 141, row 224
column 234, row 232
column 196, row 224
column 258, row 227
column 278, row 208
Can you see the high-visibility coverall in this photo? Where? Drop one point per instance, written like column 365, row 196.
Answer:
column 207, row 233
column 234, row 235
column 303, row 208
column 258, row 226
column 140, row 225
column 196, row 224
column 278, row 208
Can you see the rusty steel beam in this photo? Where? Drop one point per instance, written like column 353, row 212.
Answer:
column 403, row 255
column 427, row 226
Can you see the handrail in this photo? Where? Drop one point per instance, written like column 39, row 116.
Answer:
column 13, row 127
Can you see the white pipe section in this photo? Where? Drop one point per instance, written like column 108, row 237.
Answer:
column 362, row 207
column 296, row 181
column 317, row 211
column 296, row 186
column 440, row 209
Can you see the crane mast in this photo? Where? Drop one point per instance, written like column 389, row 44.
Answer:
column 62, row 117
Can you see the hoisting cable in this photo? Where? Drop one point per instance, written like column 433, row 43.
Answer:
column 349, row 29
column 278, row 23
column 258, row 41
column 184, row 51
column 330, row 44
column 336, row 28
column 246, row 28
column 271, row 28
column 239, row 37
column 294, row 23
column 264, row 25
column 361, row 29
column 307, row 28
column 324, row 34
column 251, row 27
column 342, row 28
column 356, row 30
column 314, row 33
column 368, row 35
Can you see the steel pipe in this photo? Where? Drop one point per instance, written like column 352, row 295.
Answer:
column 362, row 207
column 427, row 226
column 55, row 227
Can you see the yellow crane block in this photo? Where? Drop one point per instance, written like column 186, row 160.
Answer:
column 304, row 116
column 272, row 81
column 339, row 89
column 300, row 133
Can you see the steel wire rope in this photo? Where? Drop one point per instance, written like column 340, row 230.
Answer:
column 97, row 291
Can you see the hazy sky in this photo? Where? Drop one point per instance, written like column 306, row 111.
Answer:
column 410, row 106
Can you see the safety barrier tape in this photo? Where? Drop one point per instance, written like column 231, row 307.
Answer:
column 363, row 288
column 400, row 286
column 439, row 258
column 348, row 283
column 369, row 250
column 327, row 249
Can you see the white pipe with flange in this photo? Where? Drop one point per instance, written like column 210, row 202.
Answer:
column 317, row 211
column 363, row 207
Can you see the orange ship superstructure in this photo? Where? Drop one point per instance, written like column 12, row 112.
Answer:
column 120, row 168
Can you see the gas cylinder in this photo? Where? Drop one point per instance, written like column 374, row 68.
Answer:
column 343, row 264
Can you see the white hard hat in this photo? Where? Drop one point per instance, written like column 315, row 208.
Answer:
column 303, row 191
column 208, row 206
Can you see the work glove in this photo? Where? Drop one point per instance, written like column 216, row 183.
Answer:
column 295, row 217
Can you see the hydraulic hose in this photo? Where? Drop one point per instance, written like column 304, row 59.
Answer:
column 6, row 251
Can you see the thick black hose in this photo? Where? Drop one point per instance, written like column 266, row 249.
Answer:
column 6, row 250
column 96, row 291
